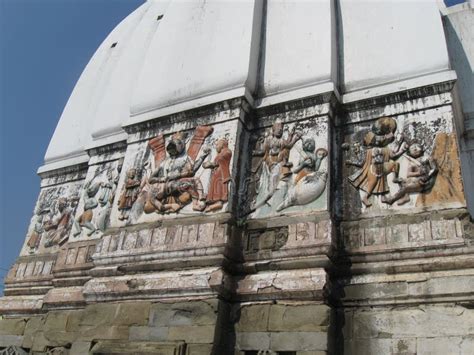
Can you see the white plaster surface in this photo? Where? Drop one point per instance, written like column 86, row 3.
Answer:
column 202, row 52
column 386, row 41
column 299, row 38
column 73, row 131
column 202, row 48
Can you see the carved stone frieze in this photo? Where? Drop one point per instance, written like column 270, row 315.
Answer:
column 289, row 170
column 31, row 268
column 294, row 284
column 53, row 219
column 402, row 233
column 400, row 163
column 98, row 197
column 13, row 350
column 77, row 255
column 163, row 239
column 179, row 173
column 292, row 236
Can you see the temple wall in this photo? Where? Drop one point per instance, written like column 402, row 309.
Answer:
column 324, row 223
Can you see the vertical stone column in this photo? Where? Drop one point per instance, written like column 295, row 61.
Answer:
column 405, row 232
column 289, row 230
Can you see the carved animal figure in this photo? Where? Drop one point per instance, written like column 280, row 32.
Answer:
column 309, row 183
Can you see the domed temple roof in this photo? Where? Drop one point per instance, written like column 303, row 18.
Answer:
column 171, row 56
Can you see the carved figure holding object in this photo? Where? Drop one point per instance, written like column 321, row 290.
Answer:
column 309, row 182
column 174, row 184
column 57, row 225
column 275, row 152
column 421, row 175
column 130, row 192
column 379, row 162
column 220, row 176
column 90, row 203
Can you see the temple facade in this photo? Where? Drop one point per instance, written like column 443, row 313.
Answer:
column 258, row 177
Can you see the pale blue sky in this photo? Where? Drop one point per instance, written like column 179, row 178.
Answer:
column 44, row 46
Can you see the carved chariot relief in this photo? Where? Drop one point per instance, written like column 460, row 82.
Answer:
column 404, row 163
column 53, row 219
column 289, row 169
column 181, row 173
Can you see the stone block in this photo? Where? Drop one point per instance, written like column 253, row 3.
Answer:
column 149, row 333
column 376, row 290
column 56, row 320
column 39, row 342
column 136, row 313
column 104, row 333
column 443, row 229
column 298, row 317
column 466, row 346
column 10, row 340
column 33, row 325
column 80, row 348
column 291, row 341
column 397, row 234
column 199, row 349
column 416, row 232
column 311, row 352
column 441, row 345
column 14, row 326
column 74, row 320
column 183, row 313
column 94, row 315
column 381, row 346
column 374, row 236
column 200, row 334
column 253, row 318
column 59, row 338
column 422, row 321
column 253, row 340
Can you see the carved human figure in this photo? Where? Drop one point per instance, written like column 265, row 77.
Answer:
column 174, row 184
column 421, row 175
column 56, row 226
column 107, row 195
column 371, row 176
column 35, row 236
column 275, row 166
column 90, row 203
column 220, row 176
column 309, row 183
column 310, row 160
column 130, row 191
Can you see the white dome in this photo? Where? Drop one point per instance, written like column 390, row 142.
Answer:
column 175, row 55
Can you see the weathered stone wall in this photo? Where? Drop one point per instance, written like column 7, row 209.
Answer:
column 421, row 329
column 308, row 227
column 298, row 327
column 193, row 327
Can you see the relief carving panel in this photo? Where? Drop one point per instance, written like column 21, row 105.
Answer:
column 402, row 163
column 54, row 217
column 289, row 172
column 182, row 173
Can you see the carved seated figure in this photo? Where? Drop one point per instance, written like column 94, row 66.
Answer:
column 421, row 176
column 57, row 225
column 174, row 184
